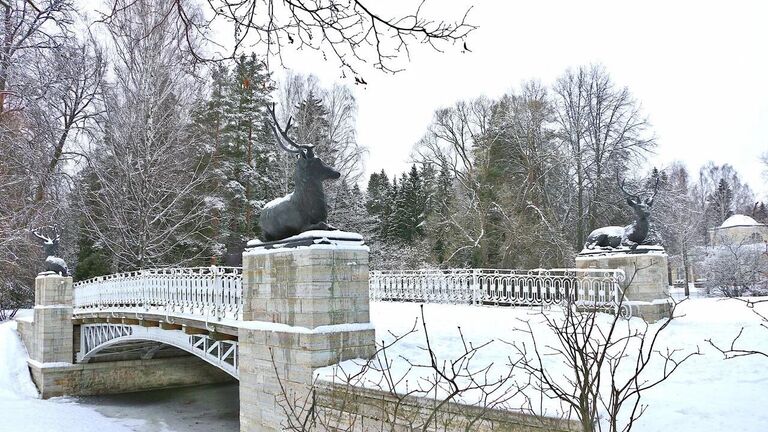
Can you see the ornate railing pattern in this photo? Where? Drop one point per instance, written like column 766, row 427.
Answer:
column 220, row 353
column 206, row 292
column 499, row 287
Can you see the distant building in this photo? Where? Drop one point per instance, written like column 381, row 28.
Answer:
column 738, row 229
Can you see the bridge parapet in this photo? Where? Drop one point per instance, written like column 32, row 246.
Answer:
column 211, row 293
column 501, row 287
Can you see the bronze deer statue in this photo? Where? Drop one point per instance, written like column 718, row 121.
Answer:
column 51, row 246
column 630, row 235
column 304, row 209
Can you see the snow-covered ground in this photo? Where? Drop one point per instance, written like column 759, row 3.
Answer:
column 202, row 408
column 706, row 394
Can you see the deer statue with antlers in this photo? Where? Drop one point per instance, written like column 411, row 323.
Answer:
column 51, row 245
column 304, row 209
column 631, row 235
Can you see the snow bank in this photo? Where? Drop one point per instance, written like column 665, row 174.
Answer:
column 15, row 381
column 706, row 393
column 739, row 220
column 20, row 408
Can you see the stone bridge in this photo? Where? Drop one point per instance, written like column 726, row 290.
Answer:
column 269, row 325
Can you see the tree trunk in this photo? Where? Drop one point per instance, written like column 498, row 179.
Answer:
column 685, row 270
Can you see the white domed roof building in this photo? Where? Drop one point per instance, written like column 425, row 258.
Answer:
column 739, row 229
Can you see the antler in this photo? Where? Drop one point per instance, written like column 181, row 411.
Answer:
column 45, row 239
column 621, row 186
column 282, row 134
column 655, row 191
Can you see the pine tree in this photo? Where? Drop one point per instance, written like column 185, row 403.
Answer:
column 312, row 124
column 760, row 213
column 350, row 213
column 241, row 151
column 91, row 260
column 442, row 205
column 720, row 204
column 415, row 200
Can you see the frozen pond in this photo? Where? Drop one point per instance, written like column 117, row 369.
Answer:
column 200, row 408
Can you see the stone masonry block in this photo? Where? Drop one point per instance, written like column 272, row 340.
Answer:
column 304, row 288
column 51, row 290
column 53, row 331
column 646, row 274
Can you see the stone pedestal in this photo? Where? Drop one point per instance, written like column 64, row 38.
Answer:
column 53, row 320
column 304, row 308
column 645, row 286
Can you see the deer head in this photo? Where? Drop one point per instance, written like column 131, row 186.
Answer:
column 641, row 207
column 308, row 167
column 50, row 242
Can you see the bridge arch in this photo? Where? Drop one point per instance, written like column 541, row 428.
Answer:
column 95, row 338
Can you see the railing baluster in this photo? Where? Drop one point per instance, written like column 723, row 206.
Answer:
column 498, row 287
column 199, row 291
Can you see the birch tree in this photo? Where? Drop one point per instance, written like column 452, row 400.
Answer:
column 139, row 190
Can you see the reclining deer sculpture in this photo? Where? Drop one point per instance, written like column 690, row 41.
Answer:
column 630, row 235
column 304, row 209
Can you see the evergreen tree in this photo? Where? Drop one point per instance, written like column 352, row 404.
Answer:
column 350, row 213
column 415, row 201
column 92, row 261
column 377, row 201
column 759, row 212
column 312, row 124
column 720, row 204
column 241, row 151
column 441, row 206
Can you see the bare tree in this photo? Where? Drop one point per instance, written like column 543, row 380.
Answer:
column 679, row 218
column 710, row 176
column 29, row 27
column 609, row 362
column 733, row 350
column 411, row 394
column 47, row 84
column 138, row 191
column 603, row 130
column 349, row 31
column 737, row 267
column 453, row 142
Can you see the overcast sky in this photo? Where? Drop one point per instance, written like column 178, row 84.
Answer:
column 699, row 68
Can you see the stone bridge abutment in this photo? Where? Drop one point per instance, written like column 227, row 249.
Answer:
column 299, row 309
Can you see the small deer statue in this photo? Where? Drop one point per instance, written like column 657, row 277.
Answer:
column 628, row 236
column 304, row 209
column 51, row 245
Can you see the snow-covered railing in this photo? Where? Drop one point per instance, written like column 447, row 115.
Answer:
column 206, row 292
column 498, row 287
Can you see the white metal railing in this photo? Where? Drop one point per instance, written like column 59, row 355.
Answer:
column 498, row 287
column 96, row 337
column 206, row 292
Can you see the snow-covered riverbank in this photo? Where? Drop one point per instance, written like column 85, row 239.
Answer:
column 193, row 409
column 706, row 394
